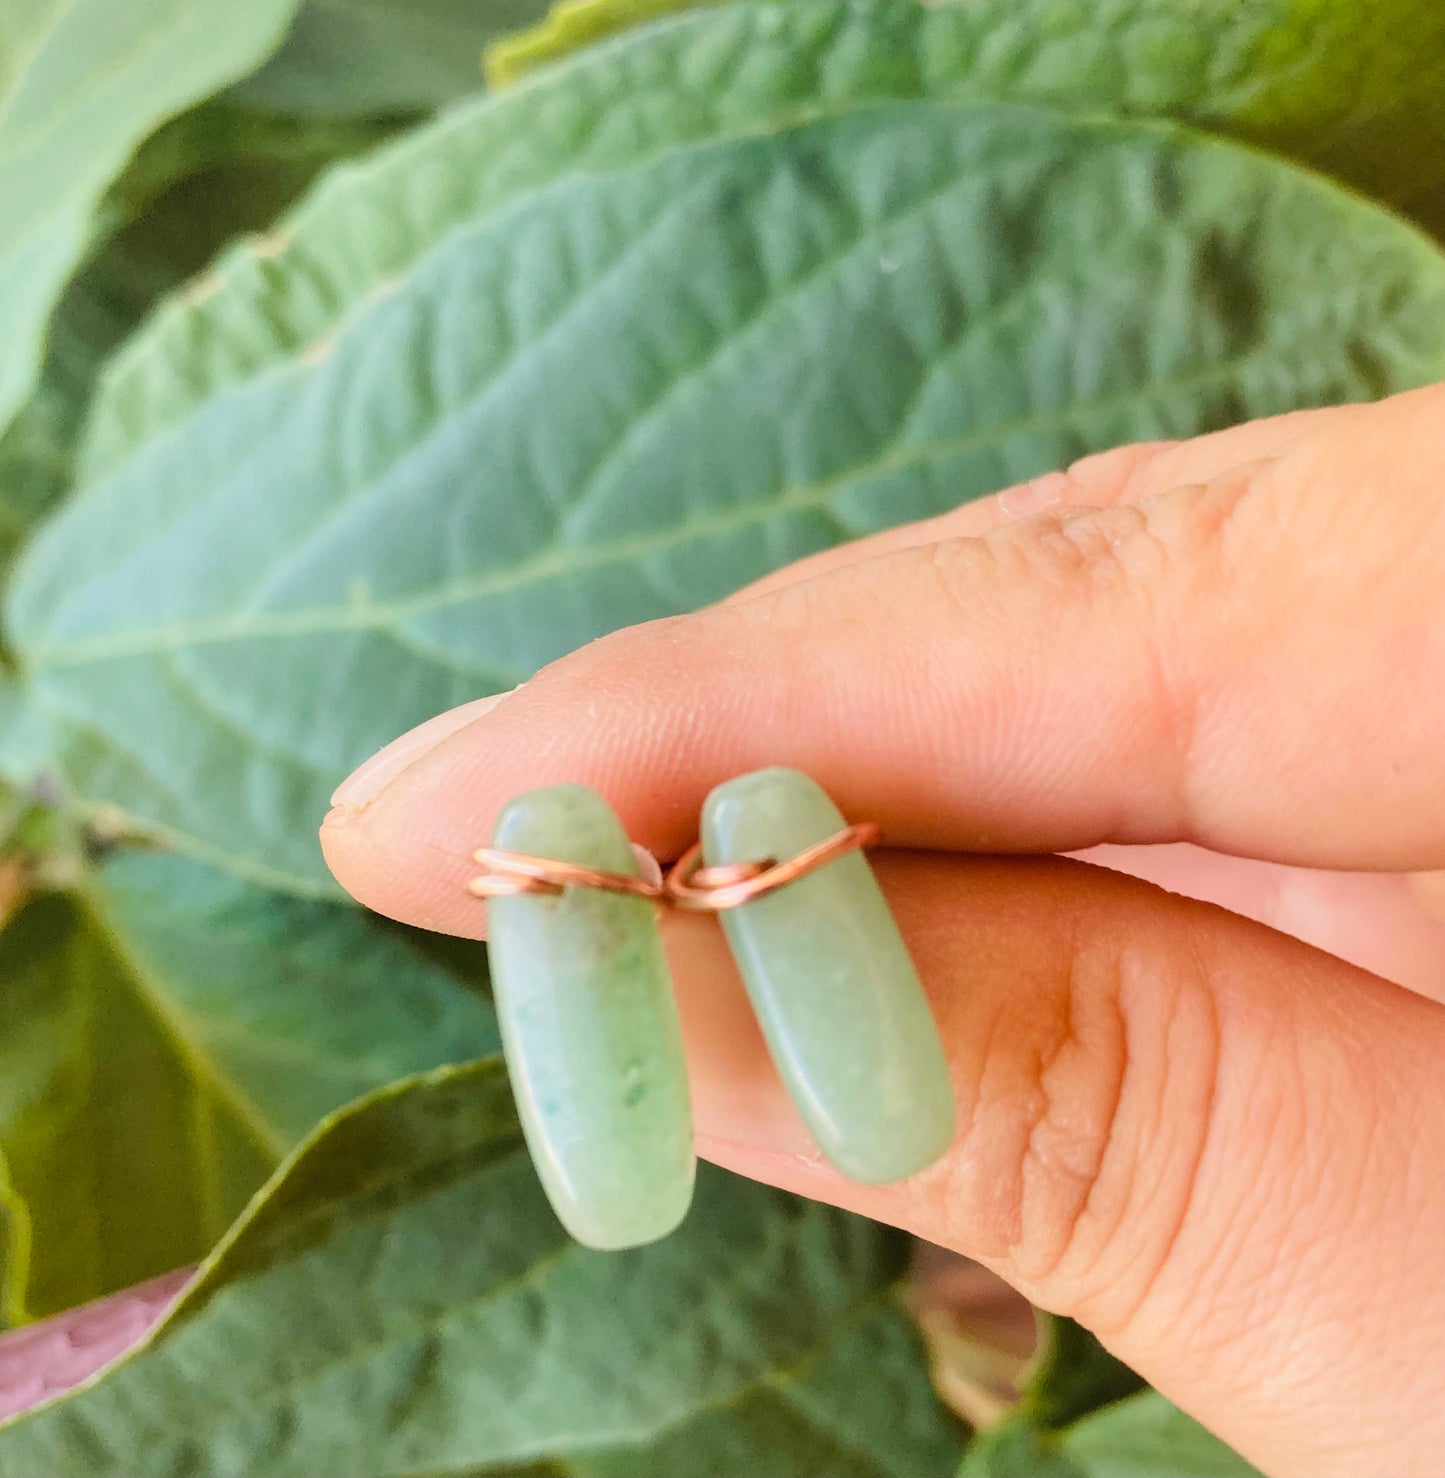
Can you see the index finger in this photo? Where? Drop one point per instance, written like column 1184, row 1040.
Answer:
column 1250, row 664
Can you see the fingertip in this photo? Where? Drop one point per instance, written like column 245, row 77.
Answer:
column 398, row 872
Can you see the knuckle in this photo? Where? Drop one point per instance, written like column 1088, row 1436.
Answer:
column 1133, row 578
column 1149, row 551
column 958, row 571
column 1083, row 1138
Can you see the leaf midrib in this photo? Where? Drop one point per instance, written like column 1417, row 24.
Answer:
column 559, row 559
column 173, row 1023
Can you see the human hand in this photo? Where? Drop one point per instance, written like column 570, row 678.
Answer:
column 1215, row 1145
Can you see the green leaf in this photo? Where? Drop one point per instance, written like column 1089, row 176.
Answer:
column 634, row 391
column 210, row 175
column 1149, row 1437
column 1358, row 91
column 403, row 1300
column 1144, row 1436
column 1073, row 1374
column 166, row 1037
column 367, row 57
column 744, row 68
column 1017, row 1448
column 81, row 83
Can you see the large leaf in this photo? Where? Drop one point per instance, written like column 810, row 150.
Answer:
column 166, row 1037
column 364, row 57
column 634, row 391
column 1144, row 1436
column 81, row 83
column 1356, row 90
column 405, row 1301
column 206, row 177
column 741, row 69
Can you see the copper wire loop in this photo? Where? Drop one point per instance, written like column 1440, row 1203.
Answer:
column 730, row 884
column 511, row 873
column 687, row 885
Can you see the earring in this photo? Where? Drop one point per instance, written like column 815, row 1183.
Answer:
column 589, row 1024
column 830, row 979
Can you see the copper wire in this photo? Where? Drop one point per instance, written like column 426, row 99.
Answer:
column 688, row 885
column 731, row 884
column 511, row 873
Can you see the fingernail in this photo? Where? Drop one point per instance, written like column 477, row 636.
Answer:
column 368, row 780
column 1032, row 497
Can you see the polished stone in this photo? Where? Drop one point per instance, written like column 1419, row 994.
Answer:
column 590, row 1030
column 832, row 984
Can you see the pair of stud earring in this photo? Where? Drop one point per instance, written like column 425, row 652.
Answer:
column 590, row 1027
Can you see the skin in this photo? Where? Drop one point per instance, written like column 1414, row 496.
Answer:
column 1219, row 665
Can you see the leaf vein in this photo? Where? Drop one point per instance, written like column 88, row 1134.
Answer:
column 555, row 561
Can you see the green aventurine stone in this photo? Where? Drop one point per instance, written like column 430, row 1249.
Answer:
column 590, row 1030
column 832, row 984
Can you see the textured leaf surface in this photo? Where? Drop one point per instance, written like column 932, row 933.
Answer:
column 363, row 57
column 167, row 1037
column 632, row 392
column 81, row 83
column 743, row 67
column 405, row 1302
column 1356, row 90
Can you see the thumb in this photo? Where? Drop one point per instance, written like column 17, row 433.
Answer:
column 1206, row 1141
